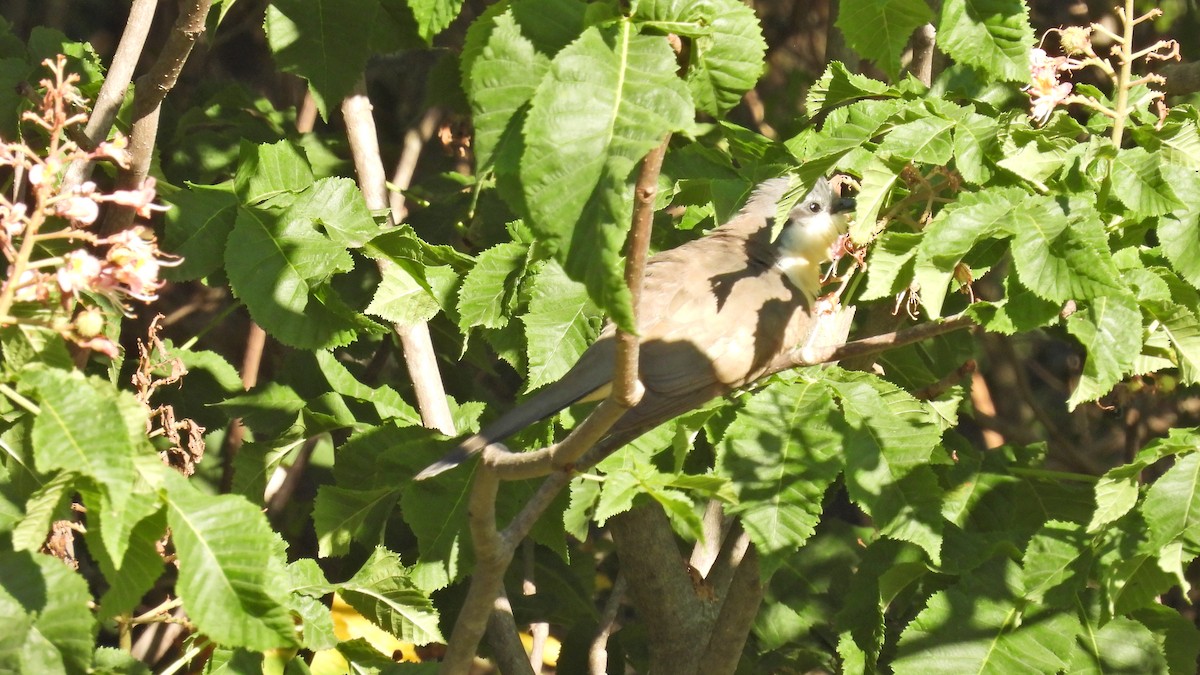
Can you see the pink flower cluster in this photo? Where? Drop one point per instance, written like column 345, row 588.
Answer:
column 47, row 207
column 1045, row 90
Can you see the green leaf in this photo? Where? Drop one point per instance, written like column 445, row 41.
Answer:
column 506, row 54
column 387, row 401
column 1110, row 329
column 87, row 426
column 1120, row 646
column 1058, row 259
column 1182, row 330
column 1034, row 164
column 196, row 229
column 926, row 140
column 402, row 298
column 610, row 97
column 1139, row 185
column 878, row 177
column 881, row 30
column 327, row 42
column 133, row 575
column 276, row 262
column 837, row 86
column 337, row 207
column 726, row 55
column 888, row 439
column 780, row 453
column 383, row 592
column 557, row 326
column 975, row 143
column 1172, row 506
column 41, row 508
column 992, row 35
column 980, row 625
column 342, row 515
column 269, row 170
column 1178, row 637
column 972, row 218
column 891, row 264
column 433, row 16
column 228, row 578
column 489, row 291
column 1179, row 230
column 45, row 623
column 1056, row 555
column 1116, row 494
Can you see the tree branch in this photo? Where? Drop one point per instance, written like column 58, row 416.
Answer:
column 419, row 356
column 151, row 89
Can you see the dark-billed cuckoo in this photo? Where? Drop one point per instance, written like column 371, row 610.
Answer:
column 714, row 313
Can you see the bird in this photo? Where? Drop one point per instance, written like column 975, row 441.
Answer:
column 713, row 315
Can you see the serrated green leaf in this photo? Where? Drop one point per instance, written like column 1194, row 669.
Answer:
column 46, row 502
column 433, row 16
column 780, row 453
column 506, row 54
column 837, row 86
column 891, row 264
column 1058, row 259
column 277, row 264
column 878, row 177
column 1182, row 329
column 269, row 170
column 343, row 515
column 488, row 292
column 1179, row 230
column 926, row 140
column 389, row 403
column 87, row 426
column 1172, row 506
column 46, row 626
column 1119, row 646
column 992, row 35
column 383, row 592
column 610, row 97
column 972, row 218
column 997, row 634
column 197, row 228
column 1139, row 185
column 726, row 55
column 402, row 299
column 881, row 30
column 557, row 326
column 227, row 578
column 337, row 207
column 132, row 576
column 1178, row 637
column 1116, row 494
column 976, row 143
column 1056, row 555
column 617, row 493
column 1110, row 329
column 327, row 42
column 1034, row 164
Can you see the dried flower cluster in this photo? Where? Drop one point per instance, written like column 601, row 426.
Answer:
column 44, row 285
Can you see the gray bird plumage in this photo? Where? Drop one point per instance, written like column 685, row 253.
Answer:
column 715, row 312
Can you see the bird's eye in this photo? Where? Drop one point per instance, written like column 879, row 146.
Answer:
column 814, row 207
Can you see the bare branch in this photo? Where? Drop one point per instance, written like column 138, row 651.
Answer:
column 414, row 140
column 419, row 356
column 503, row 636
column 740, row 602
column 116, row 82
column 152, row 88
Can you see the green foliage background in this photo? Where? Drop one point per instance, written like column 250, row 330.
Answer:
column 890, row 538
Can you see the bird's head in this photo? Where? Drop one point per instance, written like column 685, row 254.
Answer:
column 812, row 227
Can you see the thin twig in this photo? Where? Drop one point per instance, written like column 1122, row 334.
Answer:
column 598, row 653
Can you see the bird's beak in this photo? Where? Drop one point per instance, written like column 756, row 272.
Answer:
column 843, row 205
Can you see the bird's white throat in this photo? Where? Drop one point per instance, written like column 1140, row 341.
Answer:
column 803, row 247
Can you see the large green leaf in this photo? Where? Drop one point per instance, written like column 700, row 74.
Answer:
column 197, row 227
column 1172, row 506
column 277, row 263
column 228, row 572
column 327, row 42
column 610, row 97
column 1110, row 329
column 980, row 625
column 1139, row 185
column 781, row 453
column 488, row 293
column 992, row 35
column 726, row 55
column 383, row 592
column 1121, row 645
column 506, row 54
column 344, row 515
column 557, row 326
column 45, row 623
column 1059, row 259
column 880, row 30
